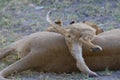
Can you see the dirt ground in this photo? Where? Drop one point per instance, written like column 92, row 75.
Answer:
column 19, row 18
column 113, row 75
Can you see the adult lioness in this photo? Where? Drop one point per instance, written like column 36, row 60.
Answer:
column 27, row 46
column 47, row 51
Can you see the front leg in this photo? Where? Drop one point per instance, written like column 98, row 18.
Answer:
column 76, row 50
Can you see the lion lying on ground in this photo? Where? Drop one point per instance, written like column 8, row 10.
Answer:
column 52, row 57
column 48, row 52
column 26, row 47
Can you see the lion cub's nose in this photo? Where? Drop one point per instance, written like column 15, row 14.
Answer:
column 96, row 49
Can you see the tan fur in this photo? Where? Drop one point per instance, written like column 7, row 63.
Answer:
column 83, row 31
column 48, row 52
column 89, row 29
column 91, row 24
column 95, row 26
column 76, row 35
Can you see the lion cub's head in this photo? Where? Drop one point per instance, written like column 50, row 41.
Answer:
column 82, row 32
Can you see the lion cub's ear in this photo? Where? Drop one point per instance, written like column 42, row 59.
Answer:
column 59, row 22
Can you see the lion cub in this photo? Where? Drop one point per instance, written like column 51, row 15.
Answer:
column 76, row 35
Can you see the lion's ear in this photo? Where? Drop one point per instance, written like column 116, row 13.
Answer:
column 59, row 22
column 72, row 22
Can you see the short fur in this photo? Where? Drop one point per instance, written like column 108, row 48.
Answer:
column 48, row 52
column 95, row 26
column 76, row 35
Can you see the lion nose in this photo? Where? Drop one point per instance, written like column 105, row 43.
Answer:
column 96, row 49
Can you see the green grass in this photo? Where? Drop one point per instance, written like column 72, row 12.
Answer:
column 117, row 16
column 106, row 72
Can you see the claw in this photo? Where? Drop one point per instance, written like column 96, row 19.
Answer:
column 93, row 74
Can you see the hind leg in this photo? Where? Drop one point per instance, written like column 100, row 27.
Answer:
column 22, row 64
column 6, row 51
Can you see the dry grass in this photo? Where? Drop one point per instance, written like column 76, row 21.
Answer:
column 22, row 17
